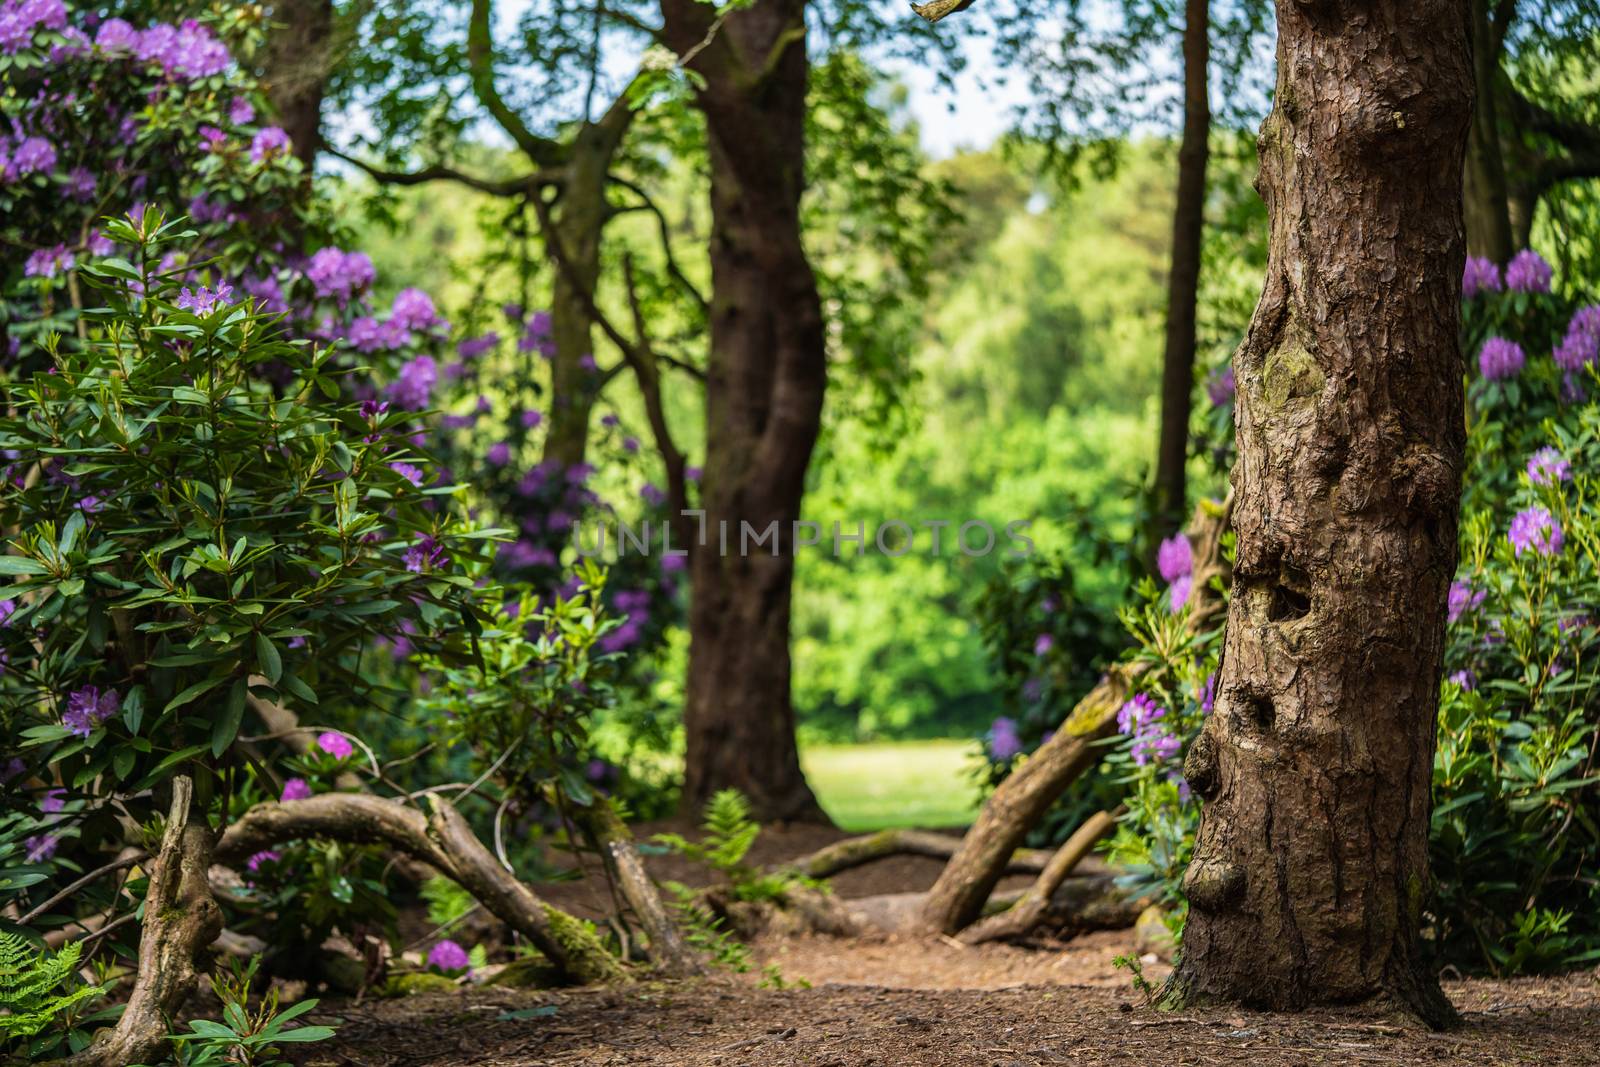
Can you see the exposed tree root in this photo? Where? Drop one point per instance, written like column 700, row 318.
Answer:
column 444, row 841
column 1090, row 902
column 1020, row 801
column 611, row 837
column 180, row 919
column 857, row 851
column 1031, row 907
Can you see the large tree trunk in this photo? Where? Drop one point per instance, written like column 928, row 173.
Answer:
column 297, row 60
column 1487, row 204
column 1183, row 283
column 764, row 385
column 1311, row 865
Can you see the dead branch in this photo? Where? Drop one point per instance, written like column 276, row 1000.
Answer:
column 1031, row 907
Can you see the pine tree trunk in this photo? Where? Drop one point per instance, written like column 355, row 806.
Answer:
column 1183, row 284
column 1487, row 202
column 1311, row 866
column 297, row 61
column 764, row 386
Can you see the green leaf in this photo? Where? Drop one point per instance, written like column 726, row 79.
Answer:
column 203, row 686
column 20, row 565
column 226, row 727
column 267, row 658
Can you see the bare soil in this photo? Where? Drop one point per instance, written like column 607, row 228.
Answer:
column 903, row 1002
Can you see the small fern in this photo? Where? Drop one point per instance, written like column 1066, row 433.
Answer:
column 37, row 987
column 704, row 930
column 730, row 831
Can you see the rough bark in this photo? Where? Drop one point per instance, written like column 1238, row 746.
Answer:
column 765, row 377
column 1311, row 864
column 1019, row 802
column 296, row 62
column 1183, row 282
column 181, row 918
column 1030, row 908
column 1486, row 203
column 444, row 841
column 857, row 851
column 612, row 839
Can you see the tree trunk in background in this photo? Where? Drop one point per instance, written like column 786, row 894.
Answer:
column 765, row 378
column 581, row 217
column 295, row 66
column 1487, row 205
column 1311, row 865
column 1183, row 283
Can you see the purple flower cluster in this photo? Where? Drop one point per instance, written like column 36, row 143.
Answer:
column 1142, row 719
column 538, row 335
column 1581, row 346
column 20, row 18
column 48, row 262
column 1528, row 273
column 426, row 555
column 1535, row 529
column 1004, row 741
column 1548, row 467
column 1220, row 387
column 1481, row 276
column 340, row 274
column 449, row 957
column 28, row 155
column 634, row 605
column 1463, row 598
column 88, row 707
column 336, row 745
column 1175, row 562
column 1501, row 359
column 268, row 144
column 206, row 300
column 413, row 387
column 295, row 789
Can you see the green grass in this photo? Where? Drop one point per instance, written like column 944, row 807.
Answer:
column 911, row 783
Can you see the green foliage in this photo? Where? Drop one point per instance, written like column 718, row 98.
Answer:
column 39, row 991
column 447, row 902
column 705, row 931
column 729, row 833
column 244, row 1035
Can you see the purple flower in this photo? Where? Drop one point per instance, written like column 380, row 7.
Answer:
column 538, row 335
column 55, row 800
column 1537, row 529
column 531, row 419
column 1501, row 359
column 413, row 309
column 1178, row 594
column 32, row 156
column 261, row 859
column 269, row 143
column 1175, row 558
column 372, row 410
column 1208, row 694
column 653, row 495
column 115, row 35
column 474, row 347
column 1481, row 276
column 206, row 300
column 1528, row 273
column 1155, row 745
column 81, row 184
column 692, row 474
column 1043, row 644
column 448, row 956
column 48, row 262
column 340, row 274
column 426, row 555
column 499, row 454
column 336, row 745
column 1004, row 743
column 212, row 139
column 1465, row 679
column 1220, row 387
column 240, row 112
column 413, row 389
column 295, row 789
column 88, row 707
column 408, row 472
column 1138, row 712
column 40, row 847
column 1462, row 599
column 1548, row 467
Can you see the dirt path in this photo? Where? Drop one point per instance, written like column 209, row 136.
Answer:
column 730, row 1023
column 911, row 1002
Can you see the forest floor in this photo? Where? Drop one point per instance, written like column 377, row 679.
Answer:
column 886, row 1001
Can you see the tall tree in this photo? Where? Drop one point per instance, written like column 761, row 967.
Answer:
column 765, row 377
column 1311, row 865
column 298, row 59
column 1536, row 123
column 1183, row 281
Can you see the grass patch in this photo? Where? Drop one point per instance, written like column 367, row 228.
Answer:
column 909, row 783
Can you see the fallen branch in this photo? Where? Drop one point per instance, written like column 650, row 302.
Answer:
column 443, row 841
column 612, row 839
column 1022, row 799
column 857, row 851
column 1030, row 908
column 180, row 918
